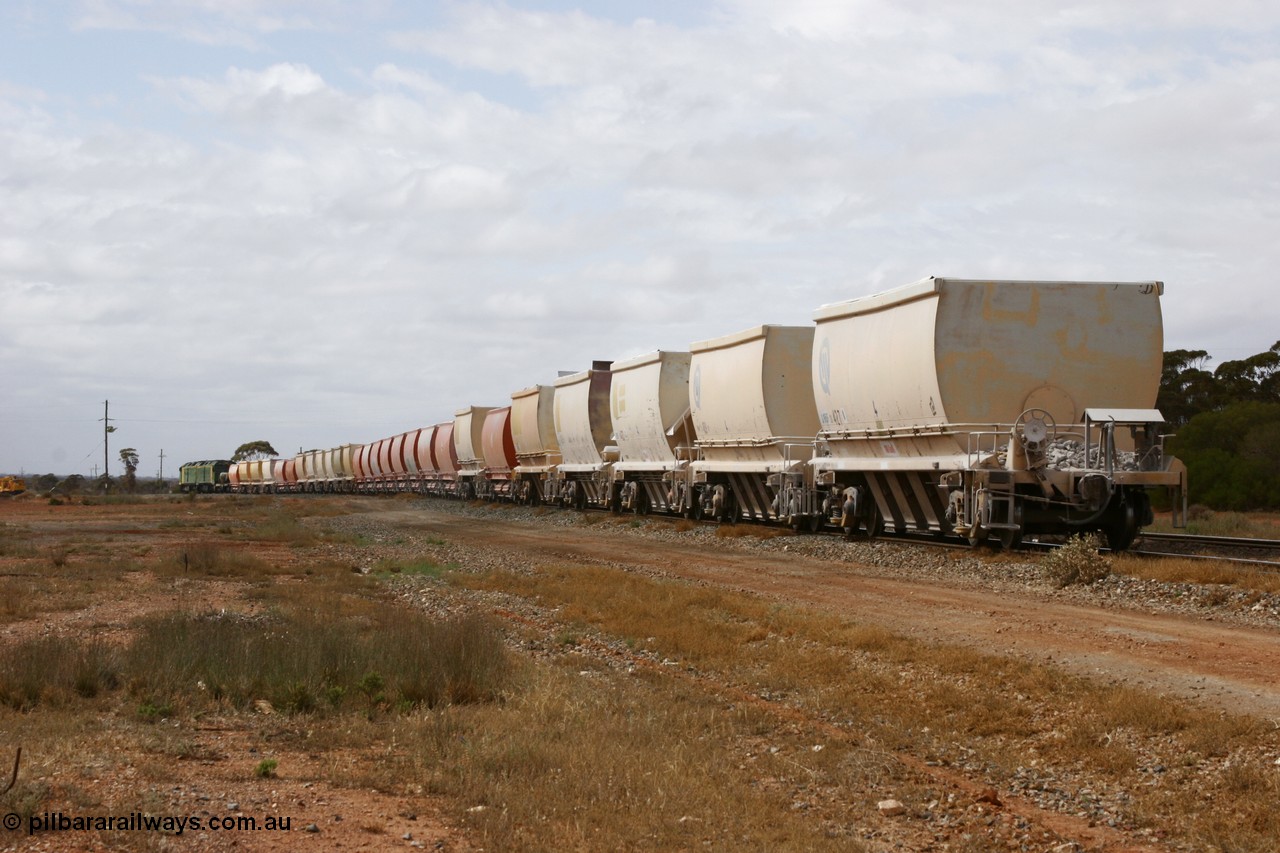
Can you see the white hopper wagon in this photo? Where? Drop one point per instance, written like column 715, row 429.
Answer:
column 468, row 440
column 751, row 399
column 649, row 403
column 583, row 430
column 336, row 468
column 533, row 432
column 994, row 408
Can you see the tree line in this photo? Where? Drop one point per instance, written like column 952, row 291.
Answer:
column 1227, row 425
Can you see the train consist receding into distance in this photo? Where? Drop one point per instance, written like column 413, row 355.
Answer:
column 987, row 410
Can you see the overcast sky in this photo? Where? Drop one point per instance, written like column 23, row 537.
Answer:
column 317, row 222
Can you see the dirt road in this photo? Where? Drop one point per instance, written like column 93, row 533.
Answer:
column 1233, row 667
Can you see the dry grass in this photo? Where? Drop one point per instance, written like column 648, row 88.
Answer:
column 592, row 760
column 755, row 531
column 670, row 746
column 1187, row 570
column 26, row 597
column 308, row 661
column 55, row 671
column 1077, row 561
column 216, row 559
column 16, row 541
column 416, row 566
column 1202, row 521
column 282, row 525
column 946, row 703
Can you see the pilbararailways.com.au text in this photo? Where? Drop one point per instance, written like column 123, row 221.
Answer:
column 140, row 822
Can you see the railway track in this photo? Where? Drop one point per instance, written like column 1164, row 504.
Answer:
column 1261, row 553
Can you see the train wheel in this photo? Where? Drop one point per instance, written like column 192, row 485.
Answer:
column 874, row 523
column 1010, row 539
column 1123, row 528
column 718, row 501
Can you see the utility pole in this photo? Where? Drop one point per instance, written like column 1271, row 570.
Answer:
column 161, row 477
column 107, row 429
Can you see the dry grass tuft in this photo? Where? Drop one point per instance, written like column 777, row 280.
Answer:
column 56, row 671
column 1203, row 521
column 755, row 531
column 282, row 525
column 308, row 660
column 216, row 559
column 1187, row 570
column 303, row 662
column 15, row 541
column 1078, row 561
column 595, row 761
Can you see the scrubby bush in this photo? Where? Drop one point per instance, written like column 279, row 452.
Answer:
column 1078, row 561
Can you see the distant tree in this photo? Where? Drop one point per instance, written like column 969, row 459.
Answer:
column 1228, row 426
column 1233, row 456
column 129, row 458
column 253, row 450
column 1254, row 378
column 1186, row 388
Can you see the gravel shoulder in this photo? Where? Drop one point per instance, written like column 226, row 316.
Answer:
column 1172, row 638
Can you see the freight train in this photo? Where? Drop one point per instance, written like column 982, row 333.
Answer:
column 986, row 410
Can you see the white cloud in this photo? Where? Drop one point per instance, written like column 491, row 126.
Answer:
column 349, row 250
column 237, row 23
